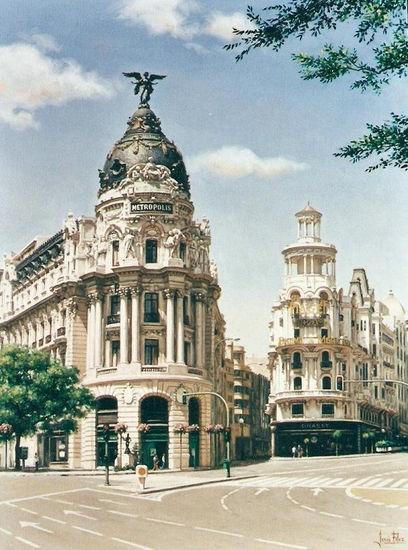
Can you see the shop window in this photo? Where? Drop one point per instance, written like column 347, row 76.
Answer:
column 326, row 383
column 151, row 350
column 58, row 447
column 297, row 383
column 297, row 409
column 327, row 409
column 151, row 307
column 151, row 251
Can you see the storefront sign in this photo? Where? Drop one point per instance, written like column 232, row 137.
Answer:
column 150, row 207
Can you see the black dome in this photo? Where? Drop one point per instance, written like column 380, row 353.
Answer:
column 143, row 141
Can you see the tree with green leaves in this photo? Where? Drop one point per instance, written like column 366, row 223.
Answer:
column 39, row 393
column 379, row 52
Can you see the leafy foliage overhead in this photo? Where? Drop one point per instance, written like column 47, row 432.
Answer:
column 380, row 52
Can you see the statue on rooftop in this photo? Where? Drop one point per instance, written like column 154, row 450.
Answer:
column 144, row 83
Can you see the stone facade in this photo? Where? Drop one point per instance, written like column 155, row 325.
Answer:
column 130, row 297
column 333, row 358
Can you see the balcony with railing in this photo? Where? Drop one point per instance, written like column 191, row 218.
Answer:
column 113, row 319
column 294, row 395
column 325, row 364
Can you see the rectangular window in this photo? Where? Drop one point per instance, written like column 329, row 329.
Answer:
column 297, row 409
column 296, row 333
column 186, row 352
column 151, row 307
column 324, row 333
column 115, row 304
column 115, row 253
column 327, row 409
column 375, row 392
column 151, row 352
column 151, row 251
column 186, row 318
column 182, row 251
column 115, row 347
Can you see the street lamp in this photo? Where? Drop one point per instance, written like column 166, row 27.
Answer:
column 241, row 425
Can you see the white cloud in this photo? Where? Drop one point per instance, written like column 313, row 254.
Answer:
column 220, row 24
column 239, row 162
column 45, row 42
column 29, row 80
column 161, row 16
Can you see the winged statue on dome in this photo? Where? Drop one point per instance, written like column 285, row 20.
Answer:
column 144, row 84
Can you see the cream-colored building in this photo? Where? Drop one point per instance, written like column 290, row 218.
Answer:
column 327, row 351
column 130, row 296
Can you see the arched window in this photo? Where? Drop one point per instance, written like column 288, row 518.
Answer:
column 325, row 361
column 326, row 383
column 296, row 360
column 297, row 383
column 154, row 410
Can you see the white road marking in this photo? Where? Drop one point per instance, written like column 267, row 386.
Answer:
column 369, row 522
column 60, row 501
column 368, row 483
column 316, row 491
column 55, row 520
column 34, row 526
column 123, row 514
column 112, row 501
column 87, row 530
column 22, row 499
column 226, row 496
column 30, row 511
column 399, row 482
column 333, row 481
column 74, row 513
column 219, row 532
column 28, row 542
column 282, row 544
column 308, row 508
column 261, row 490
column 384, row 482
column 5, row 531
column 133, row 544
column 331, row 515
column 347, row 481
column 165, row 521
column 88, row 507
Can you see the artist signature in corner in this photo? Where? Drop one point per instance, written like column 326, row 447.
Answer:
column 393, row 538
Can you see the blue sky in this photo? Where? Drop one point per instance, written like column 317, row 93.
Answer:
column 256, row 139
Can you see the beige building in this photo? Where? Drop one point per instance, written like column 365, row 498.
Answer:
column 328, row 350
column 130, row 296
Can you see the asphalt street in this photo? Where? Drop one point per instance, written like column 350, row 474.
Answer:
column 343, row 503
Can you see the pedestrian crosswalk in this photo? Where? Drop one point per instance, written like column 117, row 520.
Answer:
column 371, row 482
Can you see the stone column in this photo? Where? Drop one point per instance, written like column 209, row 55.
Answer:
column 169, row 296
column 108, row 358
column 124, row 340
column 199, row 299
column 135, row 351
column 98, row 331
column 180, row 328
column 91, row 331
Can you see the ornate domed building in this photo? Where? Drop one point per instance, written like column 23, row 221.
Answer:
column 129, row 296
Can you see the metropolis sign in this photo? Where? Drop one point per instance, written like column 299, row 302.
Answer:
column 149, row 207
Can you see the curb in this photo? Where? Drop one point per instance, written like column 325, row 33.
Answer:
column 195, row 484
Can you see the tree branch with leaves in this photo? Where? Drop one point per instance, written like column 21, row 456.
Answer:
column 379, row 53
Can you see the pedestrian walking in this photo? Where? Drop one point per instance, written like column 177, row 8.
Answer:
column 294, row 451
column 163, row 461
column 299, row 451
column 155, row 462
